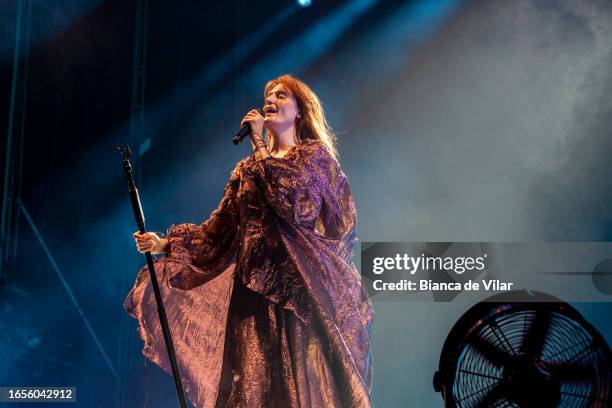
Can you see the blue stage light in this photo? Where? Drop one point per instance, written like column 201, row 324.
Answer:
column 304, row 3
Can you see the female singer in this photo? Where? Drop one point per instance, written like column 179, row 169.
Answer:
column 264, row 303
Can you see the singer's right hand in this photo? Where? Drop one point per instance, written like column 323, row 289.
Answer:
column 149, row 242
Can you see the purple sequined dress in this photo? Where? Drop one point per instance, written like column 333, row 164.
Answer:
column 264, row 303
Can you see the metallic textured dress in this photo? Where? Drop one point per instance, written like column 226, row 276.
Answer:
column 265, row 306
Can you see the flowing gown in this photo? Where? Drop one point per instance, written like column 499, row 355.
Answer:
column 265, row 306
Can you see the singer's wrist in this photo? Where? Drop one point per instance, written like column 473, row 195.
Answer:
column 257, row 142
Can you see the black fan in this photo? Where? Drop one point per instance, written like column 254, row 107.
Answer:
column 524, row 349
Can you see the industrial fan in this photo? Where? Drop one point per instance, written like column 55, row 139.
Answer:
column 524, row 349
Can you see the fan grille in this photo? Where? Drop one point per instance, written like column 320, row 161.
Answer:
column 560, row 350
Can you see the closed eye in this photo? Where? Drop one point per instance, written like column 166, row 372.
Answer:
column 279, row 94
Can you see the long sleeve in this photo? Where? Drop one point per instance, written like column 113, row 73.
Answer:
column 300, row 190
column 196, row 305
column 311, row 193
column 207, row 249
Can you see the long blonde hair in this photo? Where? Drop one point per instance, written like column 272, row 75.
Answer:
column 313, row 123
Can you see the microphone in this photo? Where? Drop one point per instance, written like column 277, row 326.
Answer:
column 244, row 131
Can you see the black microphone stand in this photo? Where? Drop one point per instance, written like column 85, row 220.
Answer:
column 140, row 221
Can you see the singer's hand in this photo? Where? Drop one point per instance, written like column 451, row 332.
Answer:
column 256, row 120
column 149, row 242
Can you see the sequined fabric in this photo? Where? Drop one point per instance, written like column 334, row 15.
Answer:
column 265, row 306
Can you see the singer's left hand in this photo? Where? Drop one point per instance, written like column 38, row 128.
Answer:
column 256, row 120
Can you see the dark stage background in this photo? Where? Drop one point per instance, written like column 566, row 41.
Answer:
column 457, row 121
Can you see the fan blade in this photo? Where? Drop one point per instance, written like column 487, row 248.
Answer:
column 533, row 343
column 569, row 371
column 489, row 398
column 489, row 351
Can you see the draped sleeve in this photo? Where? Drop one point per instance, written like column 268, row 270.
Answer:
column 317, row 224
column 196, row 304
column 301, row 190
column 205, row 250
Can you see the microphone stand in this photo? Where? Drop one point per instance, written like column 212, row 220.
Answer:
column 140, row 221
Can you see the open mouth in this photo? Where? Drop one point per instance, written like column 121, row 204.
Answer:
column 269, row 110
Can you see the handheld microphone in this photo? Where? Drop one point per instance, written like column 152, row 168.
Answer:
column 244, row 131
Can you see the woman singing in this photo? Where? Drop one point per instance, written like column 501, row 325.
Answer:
column 264, row 303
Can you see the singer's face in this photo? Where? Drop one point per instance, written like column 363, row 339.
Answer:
column 280, row 109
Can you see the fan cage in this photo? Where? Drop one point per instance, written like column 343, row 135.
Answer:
column 565, row 344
